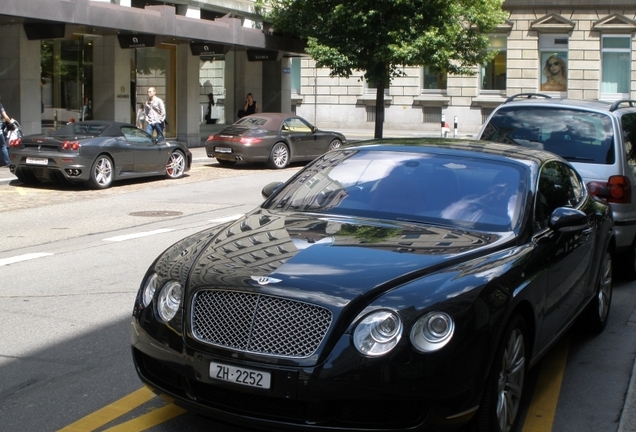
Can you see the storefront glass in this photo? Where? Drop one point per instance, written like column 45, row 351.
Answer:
column 66, row 80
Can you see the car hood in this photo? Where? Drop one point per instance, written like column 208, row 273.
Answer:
column 334, row 259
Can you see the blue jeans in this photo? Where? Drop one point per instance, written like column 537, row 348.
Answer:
column 158, row 127
column 5, row 151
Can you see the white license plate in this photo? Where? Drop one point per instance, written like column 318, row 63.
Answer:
column 243, row 376
column 37, row 161
column 223, row 150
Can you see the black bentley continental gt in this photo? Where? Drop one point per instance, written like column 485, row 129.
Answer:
column 392, row 285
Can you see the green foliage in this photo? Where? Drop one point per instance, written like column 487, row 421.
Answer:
column 381, row 36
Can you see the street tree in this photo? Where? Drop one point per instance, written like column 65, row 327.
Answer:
column 378, row 38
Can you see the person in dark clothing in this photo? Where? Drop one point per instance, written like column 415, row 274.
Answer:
column 208, row 115
column 3, row 142
column 251, row 106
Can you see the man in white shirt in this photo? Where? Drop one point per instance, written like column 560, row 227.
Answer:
column 155, row 114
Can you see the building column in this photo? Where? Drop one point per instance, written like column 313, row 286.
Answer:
column 111, row 80
column 20, row 81
column 189, row 111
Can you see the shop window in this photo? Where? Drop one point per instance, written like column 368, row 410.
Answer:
column 66, row 80
column 493, row 73
column 615, row 77
column 554, row 60
column 433, row 78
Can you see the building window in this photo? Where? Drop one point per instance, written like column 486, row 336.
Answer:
column 433, row 78
column 493, row 73
column 554, row 60
column 616, row 70
column 295, row 75
column 432, row 114
column 371, row 113
column 67, row 80
column 485, row 113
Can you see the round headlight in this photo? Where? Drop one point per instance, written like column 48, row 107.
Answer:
column 169, row 300
column 149, row 290
column 432, row 331
column 378, row 333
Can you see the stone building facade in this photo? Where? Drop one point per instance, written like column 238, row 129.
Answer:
column 594, row 46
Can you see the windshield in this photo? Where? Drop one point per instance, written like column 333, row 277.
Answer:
column 473, row 193
column 577, row 136
column 75, row 129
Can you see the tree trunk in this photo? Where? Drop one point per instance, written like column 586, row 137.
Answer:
column 379, row 109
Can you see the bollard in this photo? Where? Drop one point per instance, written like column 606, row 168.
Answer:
column 455, row 134
column 442, row 125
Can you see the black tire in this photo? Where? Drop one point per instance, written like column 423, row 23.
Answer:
column 176, row 165
column 499, row 409
column 27, row 177
column 279, row 156
column 224, row 162
column 101, row 175
column 335, row 144
column 597, row 312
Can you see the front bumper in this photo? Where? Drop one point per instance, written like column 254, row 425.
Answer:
column 335, row 395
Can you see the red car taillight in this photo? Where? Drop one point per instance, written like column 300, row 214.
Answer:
column 249, row 141
column 617, row 189
column 70, row 145
column 15, row 142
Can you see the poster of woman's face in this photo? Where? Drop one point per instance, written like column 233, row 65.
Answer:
column 554, row 75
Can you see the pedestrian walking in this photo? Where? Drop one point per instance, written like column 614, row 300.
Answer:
column 155, row 114
column 3, row 142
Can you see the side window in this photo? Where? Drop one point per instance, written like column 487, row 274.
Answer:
column 296, row 125
column 559, row 186
column 628, row 123
column 137, row 137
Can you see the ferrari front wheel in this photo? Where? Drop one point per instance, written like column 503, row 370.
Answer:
column 175, row 168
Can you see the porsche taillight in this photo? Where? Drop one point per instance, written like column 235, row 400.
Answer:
column 249, row 141
column 617, row 189
column 71, row 145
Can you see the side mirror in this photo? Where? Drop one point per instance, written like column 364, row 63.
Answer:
column 567, row 219
column 270, row 188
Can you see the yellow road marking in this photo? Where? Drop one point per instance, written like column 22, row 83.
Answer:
column 110, row 412
column 149, row 420
column 543, row 406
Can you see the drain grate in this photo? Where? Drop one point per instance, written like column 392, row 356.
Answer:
column 156, row 213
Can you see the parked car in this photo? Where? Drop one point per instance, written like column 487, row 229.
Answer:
column 274, row 138
column 599, row 140
column 96, row 153
column 395, row 285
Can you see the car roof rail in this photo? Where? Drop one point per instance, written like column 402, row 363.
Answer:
column 527, row 96
column 617, row 104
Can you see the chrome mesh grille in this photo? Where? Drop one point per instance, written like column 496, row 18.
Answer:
column 259, row 323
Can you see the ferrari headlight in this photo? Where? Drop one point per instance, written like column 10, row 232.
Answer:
column 149, row 290
column 432, row 331
column 378, row 333
column 169, row 300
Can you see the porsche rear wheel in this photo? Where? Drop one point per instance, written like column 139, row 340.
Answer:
column 335, row 144
column 175, row 168
column 101, row 176
column 499, row 410
column 279, row 156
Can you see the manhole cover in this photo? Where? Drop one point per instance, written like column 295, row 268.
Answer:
column 156, row 213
